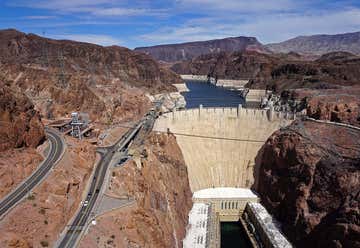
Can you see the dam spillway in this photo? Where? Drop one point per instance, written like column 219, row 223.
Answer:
column 220, row 145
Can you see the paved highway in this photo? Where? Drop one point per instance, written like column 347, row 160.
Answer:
column 78, row 224
column 56, row 150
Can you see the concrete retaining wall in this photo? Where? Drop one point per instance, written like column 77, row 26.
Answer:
column 195, row 77
column 266, row 227
column 232, row 83
column 220, row 145
column 227, row 83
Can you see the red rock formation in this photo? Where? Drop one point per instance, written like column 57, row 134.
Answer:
column 309, row 179
column 277, row 72
column 343, row 109
column 20, row 124
column 158, row 218
column 338, row 105
column 65, row 76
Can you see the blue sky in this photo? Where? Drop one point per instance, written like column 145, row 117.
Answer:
column 133, row 23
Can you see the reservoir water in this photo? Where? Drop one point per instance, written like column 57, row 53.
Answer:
column 210, row 96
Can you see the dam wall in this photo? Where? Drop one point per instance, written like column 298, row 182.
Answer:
column 230, row 83
column 195, row 77
column 227, row 83
column 220, row 145
column 254, row 97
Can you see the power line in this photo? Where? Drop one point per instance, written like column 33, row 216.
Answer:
column 199, row 136
column 309, row 140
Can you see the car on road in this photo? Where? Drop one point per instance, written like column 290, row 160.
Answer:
column 86, row 203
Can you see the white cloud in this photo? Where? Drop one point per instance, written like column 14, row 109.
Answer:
column 240, row 6
column 271, row 27
column 39, row 17
column 103, row 40
column 103, row 8
column 62, row 5
column 113, row 12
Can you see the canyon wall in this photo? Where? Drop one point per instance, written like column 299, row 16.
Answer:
column 60, row 77
column 219, row 145
column 277, row 72
column 21, row 131
column 162, row 200
column 20, row 123
column 309, row 180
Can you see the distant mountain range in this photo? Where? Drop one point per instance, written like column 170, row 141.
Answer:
column 310, row 45
column 189, row 50
column 319, row 44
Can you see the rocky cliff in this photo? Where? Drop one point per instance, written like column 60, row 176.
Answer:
column 65, row 76
column 319, row 44
column 277, row 72
column 20, row 124
column 159, row 185
column 309, row 180
column 336, row 107
column 235, row 65
column 187, row 51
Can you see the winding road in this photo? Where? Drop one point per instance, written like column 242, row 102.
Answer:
column 78, row 225
column 57, row 147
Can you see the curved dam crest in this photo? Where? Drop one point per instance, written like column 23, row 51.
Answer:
column 220, row 145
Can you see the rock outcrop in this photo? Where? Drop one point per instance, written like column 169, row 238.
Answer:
column 20, row 123
column 335, row 108
column 225, row 65
column 159, row 185
column 190, row 50
column 309, row 180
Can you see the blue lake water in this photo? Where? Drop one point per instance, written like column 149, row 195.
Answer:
column 210, row 96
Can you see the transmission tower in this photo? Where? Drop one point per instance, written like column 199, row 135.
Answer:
column 44, row 53
column 62, row 82
column 107, row 73
column 92, row 72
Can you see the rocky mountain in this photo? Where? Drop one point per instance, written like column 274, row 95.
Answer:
column 225, row 65
column 187, row 51
column 20, row 123
column 65, row 76
column 309, row 181
column 277, row 72
column 319, row 44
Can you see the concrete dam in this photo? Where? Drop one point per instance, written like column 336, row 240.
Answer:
column 221, row 148
column 220, row 145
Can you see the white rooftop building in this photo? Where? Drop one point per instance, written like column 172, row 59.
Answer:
column 196, row 235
